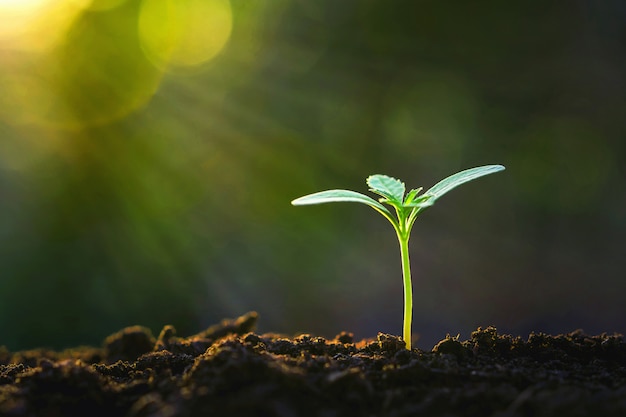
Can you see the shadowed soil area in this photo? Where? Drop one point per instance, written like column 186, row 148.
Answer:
column 229, row 370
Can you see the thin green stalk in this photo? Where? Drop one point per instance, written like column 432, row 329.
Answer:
column 408, row 291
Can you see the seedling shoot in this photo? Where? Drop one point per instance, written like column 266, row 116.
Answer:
column 407, row 208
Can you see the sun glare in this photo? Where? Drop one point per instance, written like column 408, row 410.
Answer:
column 52, row 52
column 17, row 16
column 34, row 25
column 22, row 5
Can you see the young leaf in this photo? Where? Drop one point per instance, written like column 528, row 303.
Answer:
column 411, row 195
column 388, row 187
column 338, row 196
column 459, row 178
column 422, row 201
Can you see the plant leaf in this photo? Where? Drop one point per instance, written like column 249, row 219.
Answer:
column 459, row 178
column 339, row 196
column 411, row 195
column 388, row 187
column 424, row 200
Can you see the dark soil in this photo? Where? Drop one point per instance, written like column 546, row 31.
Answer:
column 228, row 370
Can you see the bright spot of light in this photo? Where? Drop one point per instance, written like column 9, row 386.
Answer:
column 34, row 25
column 20, row 5
column 17, row 17
column 184, row 33
column 71, row 64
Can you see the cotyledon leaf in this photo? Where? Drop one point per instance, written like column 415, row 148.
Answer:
column 388, row 187
column 338, row 196
column 459, row 178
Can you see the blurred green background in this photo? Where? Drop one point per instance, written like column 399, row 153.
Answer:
column 149, row 151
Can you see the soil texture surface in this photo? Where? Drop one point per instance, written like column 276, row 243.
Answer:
column 228, row 370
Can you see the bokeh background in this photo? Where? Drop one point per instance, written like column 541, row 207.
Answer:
column 149, row 151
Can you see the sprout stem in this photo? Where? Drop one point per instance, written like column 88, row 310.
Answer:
column 408, row 291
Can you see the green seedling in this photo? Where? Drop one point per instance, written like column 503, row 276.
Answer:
column 407, row 208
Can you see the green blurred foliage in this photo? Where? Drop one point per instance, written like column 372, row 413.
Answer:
column 136, row 190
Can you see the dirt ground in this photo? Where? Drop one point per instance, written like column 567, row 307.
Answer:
column 229, row 370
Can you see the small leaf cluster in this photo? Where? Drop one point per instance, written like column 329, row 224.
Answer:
column 392, row 192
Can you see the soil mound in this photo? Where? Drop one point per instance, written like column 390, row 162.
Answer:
column 229, row 370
